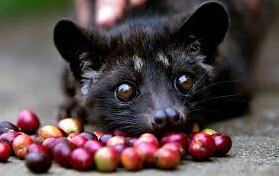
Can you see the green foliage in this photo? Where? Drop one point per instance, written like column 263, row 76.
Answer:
column 277, row 3
column 10, row 8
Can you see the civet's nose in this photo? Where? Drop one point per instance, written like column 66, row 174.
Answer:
column 167, row 118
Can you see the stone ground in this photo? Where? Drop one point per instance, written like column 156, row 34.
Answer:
column 29, row 75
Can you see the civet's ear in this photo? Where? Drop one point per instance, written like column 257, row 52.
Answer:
column 77, row 46
column 209, row 23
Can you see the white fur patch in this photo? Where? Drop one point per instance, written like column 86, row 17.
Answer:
column 207, row 67
column 194, row 49
column 88, row 74
column 163, row 59
column 138, row 64
column 88, row 80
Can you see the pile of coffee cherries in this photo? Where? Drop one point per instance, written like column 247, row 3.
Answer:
column 68, row 145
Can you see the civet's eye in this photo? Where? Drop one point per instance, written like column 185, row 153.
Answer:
column 183, row 83
column 126, row 92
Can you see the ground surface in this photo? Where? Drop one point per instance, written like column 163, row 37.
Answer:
column 29, row 76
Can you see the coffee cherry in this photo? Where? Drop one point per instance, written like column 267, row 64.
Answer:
column 92, row 146
column 209, row 131
column 37, row 139
column 148, row 137
column 88, row 135
column 202, row 146
column 49, row 143
column 49, row 131
column 167, row 159
column 106, row 159
column 62, row 153
column 5, row 151
column 9, row 137
column 7, row 126
column 119, row 148
column 71, row 135
column 38, row 162
column 223, row 144
column 175, row 147
column 70, row 125
column 116, row 140
column 105, row 138
column 81, row 150
column 28, row 121
column 21, row 144
column 81, row 159
column 180, row 138
column 146, row 151
column 34, row 148
column 131, row 160
column 78, row 140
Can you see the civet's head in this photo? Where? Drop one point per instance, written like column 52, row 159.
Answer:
column 150, row 75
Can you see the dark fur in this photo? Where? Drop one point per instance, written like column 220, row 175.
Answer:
column 100, row 60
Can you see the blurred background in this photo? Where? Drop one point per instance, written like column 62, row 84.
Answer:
column 30, row 66
column 30, row 71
